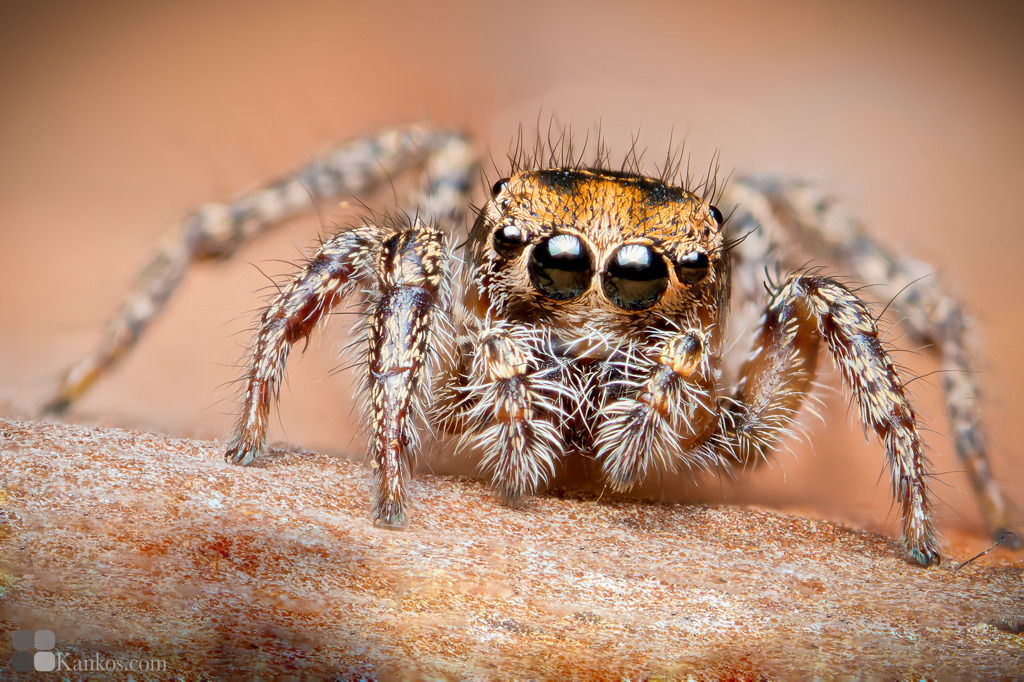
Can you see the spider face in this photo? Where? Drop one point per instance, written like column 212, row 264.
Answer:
column 579, row 248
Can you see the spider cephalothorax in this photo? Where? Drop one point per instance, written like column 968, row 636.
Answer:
column 585, row 315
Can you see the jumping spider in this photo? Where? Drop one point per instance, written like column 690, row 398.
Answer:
column 585, row 314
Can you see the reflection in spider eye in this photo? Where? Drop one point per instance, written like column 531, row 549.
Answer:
column 509, row 241
column 692, row 267
column 636, row 277
column 561, row 267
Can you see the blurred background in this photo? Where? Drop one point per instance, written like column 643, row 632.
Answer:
column 118, row 117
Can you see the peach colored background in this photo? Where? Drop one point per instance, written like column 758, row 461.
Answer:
column 118, row 117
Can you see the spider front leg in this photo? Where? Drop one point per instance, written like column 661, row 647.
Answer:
column 405, row 269
column 413, row 269
column 777, row 375
column 667, row 417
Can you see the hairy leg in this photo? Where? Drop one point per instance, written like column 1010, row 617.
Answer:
column 781, row 366
column 799, row 222
column 411, row 271
column 216, row 230
column 334, row 272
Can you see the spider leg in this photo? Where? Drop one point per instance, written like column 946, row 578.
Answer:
column 216, row 230
column 774, row 380
column 332, row 274
column 793, row 212
column 514, row 415
column 664, row 416
column 411, row 273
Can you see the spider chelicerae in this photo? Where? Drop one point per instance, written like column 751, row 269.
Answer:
column 584, row 315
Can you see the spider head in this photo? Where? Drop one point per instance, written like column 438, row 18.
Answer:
column 574, row 248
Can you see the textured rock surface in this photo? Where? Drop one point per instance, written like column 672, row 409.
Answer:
column 129, row 545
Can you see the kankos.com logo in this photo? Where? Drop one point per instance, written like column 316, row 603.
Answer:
column 34, row 651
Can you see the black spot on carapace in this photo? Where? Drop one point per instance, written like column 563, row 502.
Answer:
column 569, row 180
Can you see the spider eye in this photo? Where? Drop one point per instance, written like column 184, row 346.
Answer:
column 509, row 241
column 636, row 277
column 716, row 215
column 692, row 267
column 498, row 186
column 561, row 267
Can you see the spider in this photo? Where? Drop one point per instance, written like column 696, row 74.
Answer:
column 584, row 315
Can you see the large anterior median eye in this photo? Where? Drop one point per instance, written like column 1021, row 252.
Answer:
column 561, row 267
column 636, row 277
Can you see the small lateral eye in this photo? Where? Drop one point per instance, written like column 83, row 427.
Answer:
column 636, row 277
column 498, row 186
column 561, row 267
column 716, row 215
column 509, row 241
column 692, row 267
